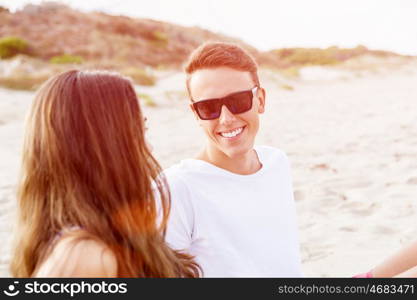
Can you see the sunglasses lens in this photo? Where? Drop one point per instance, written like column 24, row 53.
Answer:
column 208, row 110
column 240, row 102
column 236, row 103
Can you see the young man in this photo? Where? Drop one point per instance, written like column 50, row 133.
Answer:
column 232, row 205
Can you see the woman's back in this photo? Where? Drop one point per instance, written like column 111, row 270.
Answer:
column 72, row 256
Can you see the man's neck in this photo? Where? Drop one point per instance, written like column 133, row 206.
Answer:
column 244, row 164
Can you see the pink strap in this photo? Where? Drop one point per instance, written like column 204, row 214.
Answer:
column 364, row 275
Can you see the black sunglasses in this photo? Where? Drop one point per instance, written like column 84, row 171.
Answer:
column 236, row 103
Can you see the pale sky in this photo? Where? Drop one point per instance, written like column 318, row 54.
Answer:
column 267, row 24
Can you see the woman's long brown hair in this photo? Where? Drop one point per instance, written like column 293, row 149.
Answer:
column 86, row 164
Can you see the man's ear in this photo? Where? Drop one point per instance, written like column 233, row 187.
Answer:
column 261, row 97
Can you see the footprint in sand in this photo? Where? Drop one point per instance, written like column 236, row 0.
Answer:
column 317, row 252
column 385, row 230
column 412, row 180
column 348, row 228
column 363, row 212
column 342, row 184
column 323, row 167
column 329, row 195
column 299, row 195
column 359, row 209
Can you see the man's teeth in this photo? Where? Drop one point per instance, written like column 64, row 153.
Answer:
column 231, row 133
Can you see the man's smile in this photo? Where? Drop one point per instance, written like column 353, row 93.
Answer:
column 232, row 133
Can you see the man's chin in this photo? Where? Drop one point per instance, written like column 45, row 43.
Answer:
column 236, row 152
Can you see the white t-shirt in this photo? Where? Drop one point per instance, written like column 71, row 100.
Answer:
column 236, row 225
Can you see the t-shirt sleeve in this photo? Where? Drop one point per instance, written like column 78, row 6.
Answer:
column 181, row 220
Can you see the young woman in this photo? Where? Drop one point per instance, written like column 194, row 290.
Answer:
column 91, row 200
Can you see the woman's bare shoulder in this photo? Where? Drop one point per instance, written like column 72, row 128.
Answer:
column 75, row 257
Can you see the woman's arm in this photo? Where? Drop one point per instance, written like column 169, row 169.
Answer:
column 410, row 273
column 402, row 264
column 79, row 258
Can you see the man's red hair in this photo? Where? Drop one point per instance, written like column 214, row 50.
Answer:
column 212, row 55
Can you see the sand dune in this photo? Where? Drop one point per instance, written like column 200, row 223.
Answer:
column 352, row 142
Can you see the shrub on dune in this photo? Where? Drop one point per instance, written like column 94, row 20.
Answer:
column 139, row 76
column 146, row 99
column 11, row 45
column 66, row 59
column 159, row 38
column 24, row 81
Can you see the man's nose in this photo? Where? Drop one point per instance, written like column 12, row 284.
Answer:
column 226, row 117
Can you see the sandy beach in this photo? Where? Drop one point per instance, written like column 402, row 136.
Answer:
column 351, row 139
